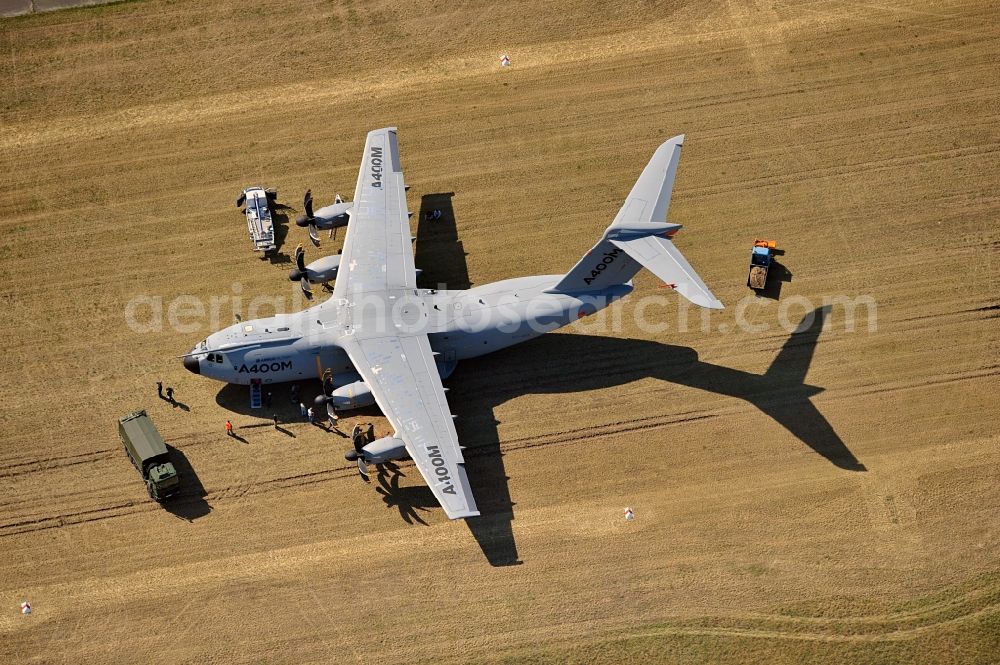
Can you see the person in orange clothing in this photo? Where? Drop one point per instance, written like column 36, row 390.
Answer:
column 229, row 429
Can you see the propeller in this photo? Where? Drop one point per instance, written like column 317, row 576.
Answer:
column 328, row 383
column 360, row 441
column 325, row 400
column 308, row 219
column 299, row 274
column 307, row 203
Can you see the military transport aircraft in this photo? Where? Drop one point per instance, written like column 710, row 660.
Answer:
column 384, row 339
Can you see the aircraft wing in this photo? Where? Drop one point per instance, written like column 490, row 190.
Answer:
column 403, row 377
column 378, row 254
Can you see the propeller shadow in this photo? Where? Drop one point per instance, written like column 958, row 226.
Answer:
column 409, row 501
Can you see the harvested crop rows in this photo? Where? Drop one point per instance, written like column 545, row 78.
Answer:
column 814, row 475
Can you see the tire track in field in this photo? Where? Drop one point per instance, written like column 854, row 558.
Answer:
column 976, row 599
column 662, row 35
column 563, row 437
column 41, row 464
column 851, row 169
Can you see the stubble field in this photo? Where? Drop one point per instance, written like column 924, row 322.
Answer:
column 824, row 496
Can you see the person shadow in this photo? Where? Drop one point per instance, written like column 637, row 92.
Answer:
column 189, row 503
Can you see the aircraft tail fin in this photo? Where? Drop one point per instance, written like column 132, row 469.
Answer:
column 639, row 238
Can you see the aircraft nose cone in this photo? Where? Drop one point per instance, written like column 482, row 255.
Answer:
column 302, row 221
column 294, row 275
column 192, row 365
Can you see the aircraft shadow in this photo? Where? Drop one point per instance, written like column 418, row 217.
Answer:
column 236, row 398
column 550, row 364
column 439, row 252
column 441, row 256
column 189, row 504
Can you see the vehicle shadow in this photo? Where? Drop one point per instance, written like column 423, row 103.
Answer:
column 279, row 220
column 550, row 364
column 189, row 503
column 777, row 275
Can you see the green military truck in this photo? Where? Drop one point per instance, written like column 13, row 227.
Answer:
column 148, row 452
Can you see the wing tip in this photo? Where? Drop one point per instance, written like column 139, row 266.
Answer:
column 675, row 141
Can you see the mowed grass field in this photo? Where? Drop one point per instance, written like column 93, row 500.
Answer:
column 826, row 497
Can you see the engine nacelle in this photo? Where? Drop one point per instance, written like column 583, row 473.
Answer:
column 385, row 449
column 355, row 395
column 319, row 271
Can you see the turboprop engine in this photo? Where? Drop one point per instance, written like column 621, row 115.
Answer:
column 330, row 217
column 386, row 449
column 320, row 271
column 355, row 395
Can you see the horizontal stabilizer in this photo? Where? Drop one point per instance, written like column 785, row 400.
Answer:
column 660, row 257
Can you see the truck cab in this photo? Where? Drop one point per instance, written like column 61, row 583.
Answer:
column 760, row 262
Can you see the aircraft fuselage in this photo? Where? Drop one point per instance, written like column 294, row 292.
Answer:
column 459, row 324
